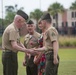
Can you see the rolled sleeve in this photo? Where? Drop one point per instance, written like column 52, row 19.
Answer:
column 12, row 35
column 53, row 35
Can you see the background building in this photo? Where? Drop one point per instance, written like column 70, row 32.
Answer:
column 66, row 22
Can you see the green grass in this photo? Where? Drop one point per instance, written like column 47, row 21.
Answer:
column 67, row 62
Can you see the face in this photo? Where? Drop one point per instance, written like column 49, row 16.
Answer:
column 21, row 23
column 41, row 25
column 23, row 30
column 30, row 28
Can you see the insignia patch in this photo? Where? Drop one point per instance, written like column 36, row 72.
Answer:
column 53, row 34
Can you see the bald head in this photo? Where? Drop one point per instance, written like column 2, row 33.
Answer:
column 17, row 17
column 19, row 21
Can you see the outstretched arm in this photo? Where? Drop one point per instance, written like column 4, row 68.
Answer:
column 42, row 49
column 20, row 48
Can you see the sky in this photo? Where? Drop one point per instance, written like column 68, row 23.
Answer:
column 31, row 5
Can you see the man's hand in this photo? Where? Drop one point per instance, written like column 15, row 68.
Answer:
column 42, row 49
column 35, row 49
column 24, row 63
column 32, row 52
column 36, row 60
column 55, row 61
column 29, row 55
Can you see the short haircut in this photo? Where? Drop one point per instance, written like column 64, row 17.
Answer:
column 49, row 20
column 46, row 17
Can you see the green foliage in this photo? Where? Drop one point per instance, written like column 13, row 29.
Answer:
column 73, row 6
column 36, row 15
column 9, row 17
column 66, row 41
column 68, row 44
column 10, row 13
column 74, row 43
column 55, row 8
column 9, row 9
column 1, row 21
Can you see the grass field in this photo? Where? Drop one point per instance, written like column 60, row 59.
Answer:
column 67, row 62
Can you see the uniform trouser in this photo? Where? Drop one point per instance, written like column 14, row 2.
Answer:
column 51, row 68
column 10, row 63
column 32, row 70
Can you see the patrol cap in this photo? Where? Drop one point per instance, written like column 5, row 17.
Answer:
column 23, row 14
column 30, row 22
column 45, row 16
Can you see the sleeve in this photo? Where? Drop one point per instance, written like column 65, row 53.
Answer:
column 12, row 35
column 53, row 34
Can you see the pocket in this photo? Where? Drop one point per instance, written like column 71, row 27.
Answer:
column 6, row 54
column 49, row 56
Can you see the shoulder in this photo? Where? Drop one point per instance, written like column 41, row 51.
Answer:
column 37, row 34
column 9, row 28
column 52, row 29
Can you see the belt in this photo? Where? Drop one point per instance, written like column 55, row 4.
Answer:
column 50, row 51
column 7, row 51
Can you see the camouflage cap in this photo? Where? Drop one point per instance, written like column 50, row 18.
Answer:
column 23, row 14
column 30, row 22
column 45, row 16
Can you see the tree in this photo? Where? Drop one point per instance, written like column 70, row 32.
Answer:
column 73, row 6
column 10, row 13
column 1, row 26
column 9, row 8
column 54, row 9
column 36, row 15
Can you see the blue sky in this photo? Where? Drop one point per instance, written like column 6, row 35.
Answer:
column 30, row 5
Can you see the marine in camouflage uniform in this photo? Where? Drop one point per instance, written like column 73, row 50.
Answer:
column 50, row 47
column 31, row 41
column 11, row 44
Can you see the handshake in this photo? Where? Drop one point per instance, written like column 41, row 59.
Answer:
column 32, row 51
column 35, row 50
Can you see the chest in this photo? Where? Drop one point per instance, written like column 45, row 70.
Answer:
column 31, row 42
